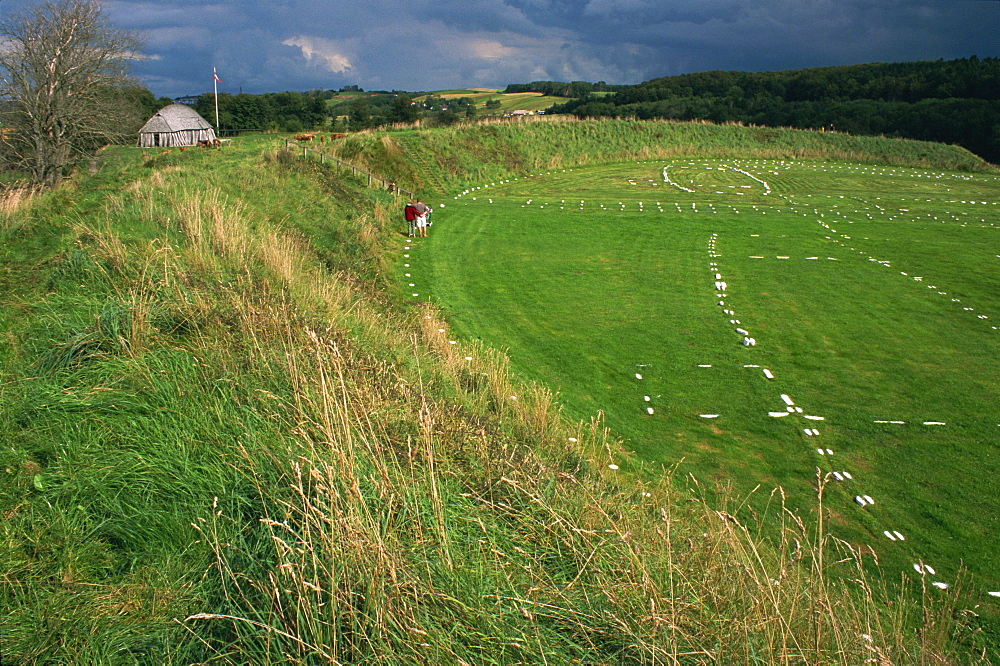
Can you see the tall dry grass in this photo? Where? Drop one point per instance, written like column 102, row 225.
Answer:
column 459, row 544
column 14, row 201
column 16, row 197
column 416, row 530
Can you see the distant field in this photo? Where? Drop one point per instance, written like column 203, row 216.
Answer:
column 467, row 91
column 871, row 294
column 530, row 101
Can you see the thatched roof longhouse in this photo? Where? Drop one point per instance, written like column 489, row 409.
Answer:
column 175, row 125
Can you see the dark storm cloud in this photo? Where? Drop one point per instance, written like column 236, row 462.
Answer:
column 272, row 45
column 781, row 34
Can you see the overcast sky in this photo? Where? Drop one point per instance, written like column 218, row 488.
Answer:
column 276, row 45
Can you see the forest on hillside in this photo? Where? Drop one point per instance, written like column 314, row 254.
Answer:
column 955, row 101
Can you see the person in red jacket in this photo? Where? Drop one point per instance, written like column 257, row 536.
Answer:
column 422, row 210
column 410, row 213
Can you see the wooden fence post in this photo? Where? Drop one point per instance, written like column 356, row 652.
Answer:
column 397, row 191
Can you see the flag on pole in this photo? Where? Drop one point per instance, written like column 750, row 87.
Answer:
column 215, row 85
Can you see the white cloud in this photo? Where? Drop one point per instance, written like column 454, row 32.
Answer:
column 135, row 55
column 317, row 48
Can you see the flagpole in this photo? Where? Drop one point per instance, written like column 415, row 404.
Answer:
column 215, row 84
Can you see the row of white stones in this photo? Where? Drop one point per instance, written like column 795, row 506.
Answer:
column 790, row 408
column 888, row 264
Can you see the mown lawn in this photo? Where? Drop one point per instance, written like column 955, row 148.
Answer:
column 871, row 294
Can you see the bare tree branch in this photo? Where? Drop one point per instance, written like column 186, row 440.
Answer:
column 64, row 76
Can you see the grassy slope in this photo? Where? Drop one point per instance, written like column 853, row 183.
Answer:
column 223, row 442
column 469, row 155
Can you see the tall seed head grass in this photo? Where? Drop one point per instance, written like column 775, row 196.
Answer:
column 13, row 204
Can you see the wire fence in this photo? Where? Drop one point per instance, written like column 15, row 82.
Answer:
column 372, row 178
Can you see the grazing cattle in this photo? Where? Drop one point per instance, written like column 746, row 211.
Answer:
column 337, row 136
column 305, row 137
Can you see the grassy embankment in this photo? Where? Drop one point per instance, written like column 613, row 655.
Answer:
column 225, row 441
column 449, row 159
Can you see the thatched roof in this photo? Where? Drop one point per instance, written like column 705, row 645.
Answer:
column 175, row 125
column 175, row 118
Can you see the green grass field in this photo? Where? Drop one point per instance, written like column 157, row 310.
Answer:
column 228, row 440
column 871, row 294
column 529, row 101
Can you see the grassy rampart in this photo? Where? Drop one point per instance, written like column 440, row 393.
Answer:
column 472, row 154
column 224, row 443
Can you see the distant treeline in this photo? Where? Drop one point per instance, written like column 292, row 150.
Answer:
column 323, row 109
column 956, row 101
column 560, row 89
column 288, row 111
column 379, row 109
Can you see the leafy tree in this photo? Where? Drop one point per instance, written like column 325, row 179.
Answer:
column 361, row 114
column 446, row 117
column 147, row 102
column 246, row 112
column 296, row 111
column 64, row 68
column 402, row 110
